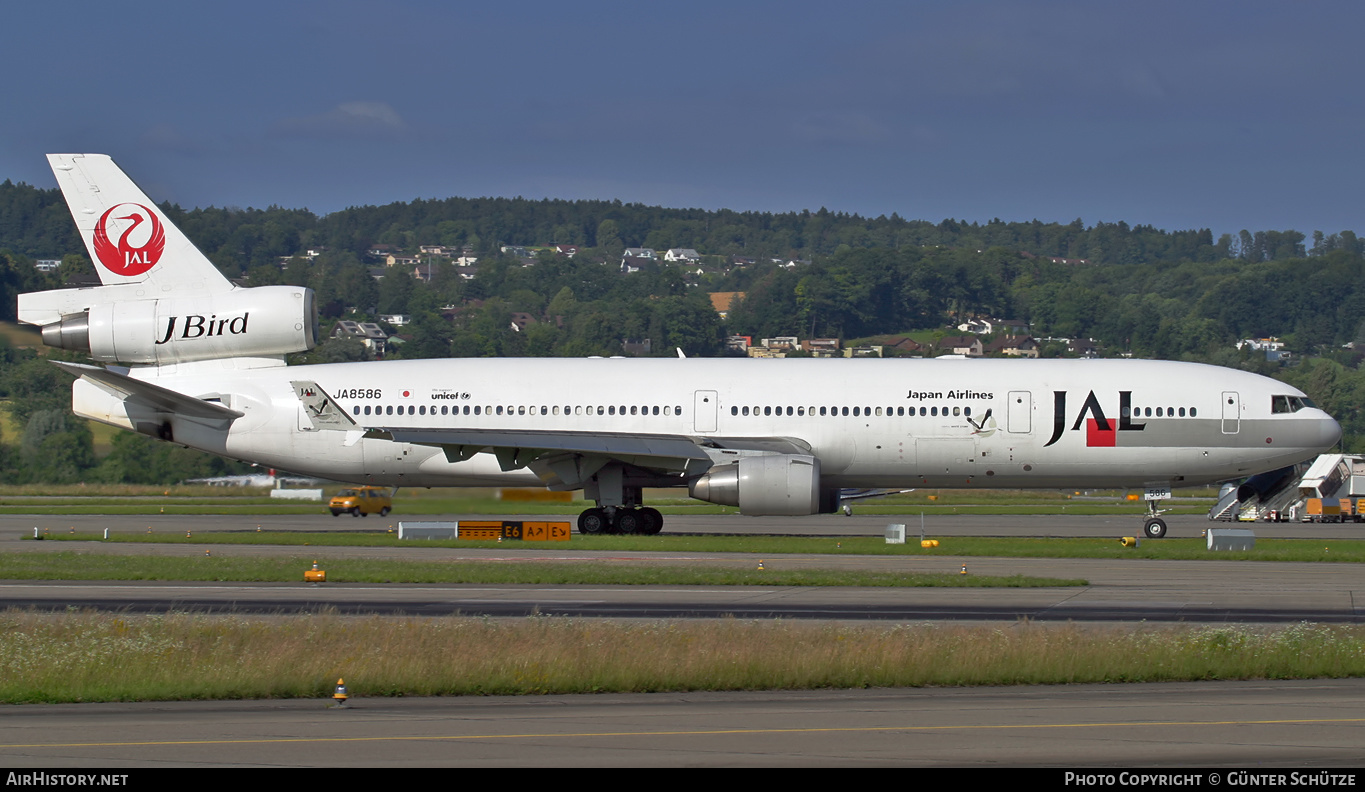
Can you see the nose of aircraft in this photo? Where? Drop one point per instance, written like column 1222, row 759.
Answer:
column 1328, row 432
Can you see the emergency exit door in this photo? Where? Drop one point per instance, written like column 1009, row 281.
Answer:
column 1232, row 412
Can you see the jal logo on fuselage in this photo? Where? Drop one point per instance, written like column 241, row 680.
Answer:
column 1099, row 430
column 141, row 239
column 198, row 326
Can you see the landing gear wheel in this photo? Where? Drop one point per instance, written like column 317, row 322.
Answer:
column 628, row 521
column 593, row 521
column 651, row 521
column 1155, row 528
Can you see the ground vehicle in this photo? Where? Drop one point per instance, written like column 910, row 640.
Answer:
column 362, row 501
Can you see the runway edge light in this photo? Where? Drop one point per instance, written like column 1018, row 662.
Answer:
column 315, row 575
column 339, row 695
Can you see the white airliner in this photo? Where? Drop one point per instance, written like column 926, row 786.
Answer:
column 200, row 362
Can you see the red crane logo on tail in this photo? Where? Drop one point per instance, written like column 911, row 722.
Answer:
column 126, row 257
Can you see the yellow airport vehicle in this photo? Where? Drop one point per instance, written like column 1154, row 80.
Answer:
column 362, row 501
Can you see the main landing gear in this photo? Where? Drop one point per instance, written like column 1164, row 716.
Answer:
column 620, row 520
column 620, row 508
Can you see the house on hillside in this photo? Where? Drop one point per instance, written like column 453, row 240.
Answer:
column 960, row 345
column 370, row 334
column 1013, row 346
column 682, row 254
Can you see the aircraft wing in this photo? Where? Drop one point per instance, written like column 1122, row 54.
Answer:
column 562, row 459
column 145, row 393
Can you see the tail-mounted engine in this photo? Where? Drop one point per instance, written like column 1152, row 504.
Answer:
column 114, row 324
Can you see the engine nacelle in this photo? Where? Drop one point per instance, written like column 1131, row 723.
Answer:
column 258, row 322
column 776, row 484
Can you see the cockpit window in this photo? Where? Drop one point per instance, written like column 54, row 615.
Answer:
column 1289, row 404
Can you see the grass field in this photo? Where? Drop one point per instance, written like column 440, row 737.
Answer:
column 112, row 657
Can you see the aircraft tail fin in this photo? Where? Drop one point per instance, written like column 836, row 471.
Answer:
column 129, row 238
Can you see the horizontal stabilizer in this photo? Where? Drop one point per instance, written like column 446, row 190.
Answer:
column 154, row 396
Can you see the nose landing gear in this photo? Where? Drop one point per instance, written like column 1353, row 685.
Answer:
column 1155, row 527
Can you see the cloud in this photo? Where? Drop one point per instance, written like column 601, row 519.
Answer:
column 347, row 120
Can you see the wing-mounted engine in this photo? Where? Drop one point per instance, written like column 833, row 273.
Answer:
column 116, row 324
column 776, row 484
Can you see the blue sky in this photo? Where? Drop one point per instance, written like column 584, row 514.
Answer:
column 1226, row 115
